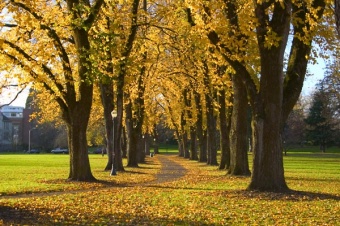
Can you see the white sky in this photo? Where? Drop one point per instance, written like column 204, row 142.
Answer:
column 316, row 72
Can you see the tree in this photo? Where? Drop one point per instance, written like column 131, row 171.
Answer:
column 53, row 50
column 225, row 125
column 319, row 130
column 272, row 22
column 116, row 35
column 323, row 116
column 294, row 129
column 238, row 130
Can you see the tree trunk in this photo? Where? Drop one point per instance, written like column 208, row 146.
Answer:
column 155, row 139
column 123, row 145
column 225, row 122
column 268, row 171
column 193, row 150
column 187, row 101
column 180, row 145
column 239, row 130
column 141, row 148
column 77, row 120
column 211, row 133
column 183, row 135
column 204, row 151
column 146, row 147
column 106, row 92
column 211, row 120
column 119, row 125
column 199, row 129
column 185, row 145
column 132, row 136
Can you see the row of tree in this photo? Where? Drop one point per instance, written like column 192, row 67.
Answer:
column 207, row 65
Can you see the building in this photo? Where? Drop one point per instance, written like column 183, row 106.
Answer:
column 14, row 127
column 5, row 132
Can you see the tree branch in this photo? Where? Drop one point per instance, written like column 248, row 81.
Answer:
column 94, row 12
column 29, row 58
column 54, row 36
column 14, row 98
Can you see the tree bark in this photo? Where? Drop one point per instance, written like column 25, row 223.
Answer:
column 123, row 143
column 184, row 136
column 141, row 148
column 239, row 130
column 225, row 122
column 268, row 171
column 193, row 150
column 106, row 92
column 191, row 142
column 76, row 119
column 132, row 136
column 119, row 125
column 199, row 129
column 211, row 134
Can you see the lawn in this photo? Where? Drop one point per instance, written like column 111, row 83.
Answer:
column 204, row 196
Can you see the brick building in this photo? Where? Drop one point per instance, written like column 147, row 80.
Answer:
column 14, row 127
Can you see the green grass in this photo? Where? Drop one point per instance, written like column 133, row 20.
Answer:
column 27, row 173
column 311, row 149
column 205, row 196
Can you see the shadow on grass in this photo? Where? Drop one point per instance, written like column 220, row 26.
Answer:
column 313, row 179
column 134, row 172
column 290, row 195
column 16, row 216
column 41, row 216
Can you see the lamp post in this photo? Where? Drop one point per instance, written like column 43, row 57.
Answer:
column 113, row 170
column 29, row 139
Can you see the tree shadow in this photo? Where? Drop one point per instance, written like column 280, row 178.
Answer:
column 44, row 216
column 290, row 195
column 18, row 216
column 313, row 179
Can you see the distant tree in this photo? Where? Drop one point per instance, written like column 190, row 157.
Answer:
column 319, row 120
column 332, row 86
column 294, row 129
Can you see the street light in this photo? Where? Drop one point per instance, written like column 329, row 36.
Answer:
column 113, row 170
column 29, row 139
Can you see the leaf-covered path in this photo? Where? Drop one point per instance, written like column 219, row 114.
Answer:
column 170, row 170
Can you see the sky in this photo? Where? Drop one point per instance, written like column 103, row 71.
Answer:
column 317, row 72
